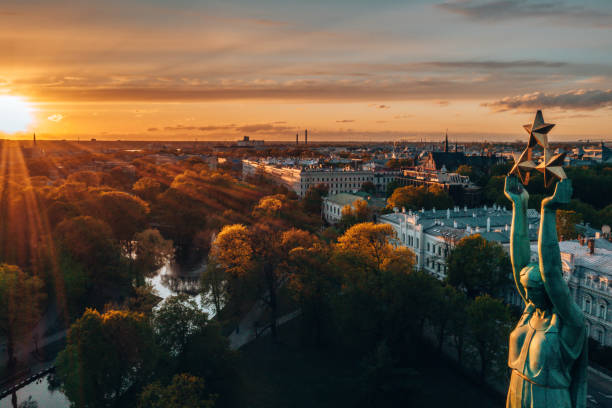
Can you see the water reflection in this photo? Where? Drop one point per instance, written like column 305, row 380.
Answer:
column 172, row 279
column 169, row 280
column 40, row 393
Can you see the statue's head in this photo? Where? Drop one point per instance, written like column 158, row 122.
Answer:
column 531, row 279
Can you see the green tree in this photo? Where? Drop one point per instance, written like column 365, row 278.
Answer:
column 489, row 326
column 214, row 285
column 185, row 391
column 478, row 266
column 151, row 252
column 313, row 198
column 177, row 319
column 566, row 224
column 21, row 298
column 368, row 187
column 105, row 356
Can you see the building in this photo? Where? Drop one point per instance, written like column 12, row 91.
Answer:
column 452, row 160
column 247, row 142
column 460, row 188
column 338, row 180
column 587, row 268
column 332, row 205
column 432, row 234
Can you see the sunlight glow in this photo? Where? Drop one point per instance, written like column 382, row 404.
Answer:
column 15, row 114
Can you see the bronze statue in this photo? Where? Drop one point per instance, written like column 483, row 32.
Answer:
column 548, row 349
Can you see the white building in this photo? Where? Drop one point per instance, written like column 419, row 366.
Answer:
column 589, row 276
column 332, row 205
column 300, row 179
column 432, row 234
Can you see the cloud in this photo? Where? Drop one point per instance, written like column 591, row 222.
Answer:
column 442, row 103
column 152, row 129
column 345, row 121
column 264, row 128
column 495, row 10
column 578, row 99
column 404, row 116
column 271, row 128
column 380, row 106
column 56, row 117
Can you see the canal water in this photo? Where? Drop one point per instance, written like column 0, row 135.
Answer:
column 169, row 280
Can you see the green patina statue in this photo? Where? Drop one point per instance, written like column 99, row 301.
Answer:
column 548, row 350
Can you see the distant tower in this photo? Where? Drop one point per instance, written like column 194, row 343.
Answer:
column 306, row 136
column 296, row 138
column 34, row 138
column 446, row 142
column 456, row 147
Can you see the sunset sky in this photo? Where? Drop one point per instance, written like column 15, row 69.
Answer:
column 346, row 70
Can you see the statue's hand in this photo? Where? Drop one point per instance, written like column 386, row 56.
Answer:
column 562, row 195
column 515, row 191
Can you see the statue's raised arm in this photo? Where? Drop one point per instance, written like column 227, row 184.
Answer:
column 550, row 256
column 520, row 252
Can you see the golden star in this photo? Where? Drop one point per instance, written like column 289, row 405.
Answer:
column 523, row 165
column 538, row 131
column 551, row 167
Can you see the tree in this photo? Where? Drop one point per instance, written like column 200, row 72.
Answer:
column 185, row 391
column 151, row 252
column 147, row 188
column 566, row 224
column 478, row 266
column 489, row 325
column 313, row 198
column 314, row 282
column 448, row 302
column 178, row 318
column 355, row 213
column 106, row 355
column 415, row 198
column 368, row 187
column 21, row 298
column 214, row 285
column 259, row 253
column 125, row 214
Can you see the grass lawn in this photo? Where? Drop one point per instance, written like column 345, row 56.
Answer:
column 289, row 375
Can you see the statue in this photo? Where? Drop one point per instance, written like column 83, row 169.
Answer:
column 548, row 347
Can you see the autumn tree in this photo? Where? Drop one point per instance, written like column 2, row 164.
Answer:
column 415, row 198
column 355, row 213
column 105, row 356
column 478, row 266
column 21, row 298
column 184, row 391
column 259, row 253
column 147, row 188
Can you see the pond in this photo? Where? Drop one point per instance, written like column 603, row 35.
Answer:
column 169, row 280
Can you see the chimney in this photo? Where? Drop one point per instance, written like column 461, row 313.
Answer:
column 403, row 209
column 433, row 210
column 306, row 136
column 465, row 208
column 591, row 244
column 473, row 215
column 506, row 227
column 488, row 224
column 448, row 213
column 455, row 224
column 297, row 138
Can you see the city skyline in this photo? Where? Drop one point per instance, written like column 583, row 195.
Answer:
column 347, row 71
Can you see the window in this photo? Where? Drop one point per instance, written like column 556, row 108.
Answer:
column 417, row 245
column 587, row 305
column 428, row 248
column 602, row 311
column 600, row 336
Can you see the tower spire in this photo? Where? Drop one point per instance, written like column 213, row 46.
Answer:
column 446, row 142
column 34, row 138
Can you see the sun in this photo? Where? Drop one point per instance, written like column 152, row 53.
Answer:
column 15, row 114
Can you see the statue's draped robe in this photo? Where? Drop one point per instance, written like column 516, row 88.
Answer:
column 543, row 364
